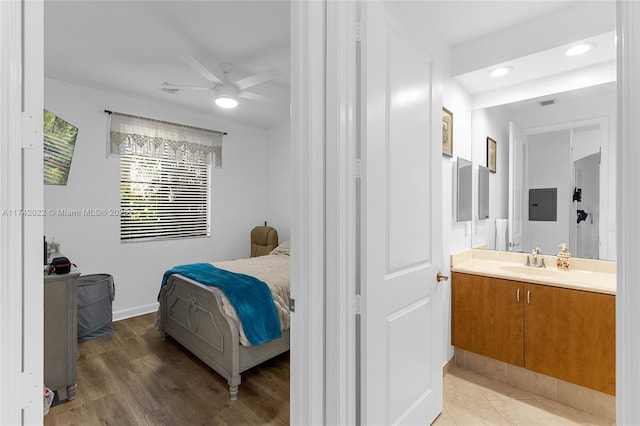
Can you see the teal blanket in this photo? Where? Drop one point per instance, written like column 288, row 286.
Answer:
column 250, row 297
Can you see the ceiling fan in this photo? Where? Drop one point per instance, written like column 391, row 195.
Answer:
column 225, row 91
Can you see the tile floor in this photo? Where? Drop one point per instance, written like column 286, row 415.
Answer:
column 472, row 399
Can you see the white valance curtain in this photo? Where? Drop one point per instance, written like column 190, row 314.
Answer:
column 159, row 139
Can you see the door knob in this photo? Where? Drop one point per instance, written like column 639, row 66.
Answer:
column 441, row 277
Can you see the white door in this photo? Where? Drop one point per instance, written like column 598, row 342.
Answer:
column 517, row 187
column 402, row 322
column 587, row 179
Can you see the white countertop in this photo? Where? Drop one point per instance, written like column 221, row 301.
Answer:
column 585, row 274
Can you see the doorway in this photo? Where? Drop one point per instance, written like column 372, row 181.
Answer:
column 586, row 200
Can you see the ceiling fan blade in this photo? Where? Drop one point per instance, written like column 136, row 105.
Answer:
column 201, row 69
column 178, row 87
column 257, row 79
column 255, row 97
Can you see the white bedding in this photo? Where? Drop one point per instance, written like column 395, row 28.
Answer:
column 272, row 269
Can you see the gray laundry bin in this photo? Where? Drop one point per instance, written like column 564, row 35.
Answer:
column 95, row 316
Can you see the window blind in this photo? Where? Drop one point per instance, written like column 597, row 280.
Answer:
column 162, row 198
column 59, row 142
column 165, row 177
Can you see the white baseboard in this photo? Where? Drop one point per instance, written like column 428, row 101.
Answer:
column 136, row 311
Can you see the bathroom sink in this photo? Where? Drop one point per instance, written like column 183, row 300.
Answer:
column 530, row 270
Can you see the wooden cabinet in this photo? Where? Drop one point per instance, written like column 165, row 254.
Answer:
column 563, row 333
column 60, row 333
column 487, row 317
column 571, row 335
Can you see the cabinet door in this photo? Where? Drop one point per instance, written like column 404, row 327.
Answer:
column 488, row 317
column 570, row 335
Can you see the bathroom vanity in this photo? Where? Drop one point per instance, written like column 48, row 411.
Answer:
column 554, row 322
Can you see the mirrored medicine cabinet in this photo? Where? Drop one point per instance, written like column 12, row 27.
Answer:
column 464, row 185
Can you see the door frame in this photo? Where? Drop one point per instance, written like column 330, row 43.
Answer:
column 21, row 201
column 514, row 132
column 628, row 226
column 575, row 227
column 323, row 269
column 341, row 261
column 307, row 219
column 11, row 190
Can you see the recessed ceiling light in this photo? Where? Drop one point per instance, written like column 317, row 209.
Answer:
column 579, row 49
column 499, row 72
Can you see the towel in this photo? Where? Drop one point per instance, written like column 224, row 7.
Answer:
column 501, row 234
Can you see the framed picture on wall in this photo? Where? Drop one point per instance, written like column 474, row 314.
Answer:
column 447, row 132
column 491, row 154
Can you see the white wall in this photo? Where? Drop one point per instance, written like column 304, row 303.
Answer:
column 279, row 163
column 585, row 141
column 240, row 194
column 471, row 129
column 490, row 123
column 456, row 235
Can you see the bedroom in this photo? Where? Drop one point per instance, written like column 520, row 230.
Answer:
column 250, row 188
column 63, row 242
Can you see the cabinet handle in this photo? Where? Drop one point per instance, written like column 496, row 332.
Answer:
column 518, row 296
column 528, row 297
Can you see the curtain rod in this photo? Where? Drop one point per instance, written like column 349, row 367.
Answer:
column 166, row 122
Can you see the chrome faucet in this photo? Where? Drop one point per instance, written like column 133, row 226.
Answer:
column 532, row 260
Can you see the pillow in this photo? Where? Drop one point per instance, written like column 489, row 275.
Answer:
column 282, row 249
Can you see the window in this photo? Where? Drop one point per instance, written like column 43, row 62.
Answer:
column 163, row 198
column 59, row 143
column 165, row 178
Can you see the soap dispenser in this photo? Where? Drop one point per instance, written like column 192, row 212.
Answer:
column 563, row 257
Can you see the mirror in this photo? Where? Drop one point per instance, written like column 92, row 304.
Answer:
column 483, row 193
column 554, row 129
column 564, row 173
column 464, row 181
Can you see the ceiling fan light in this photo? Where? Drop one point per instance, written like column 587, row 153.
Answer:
column 225, row 102
column 226, row 96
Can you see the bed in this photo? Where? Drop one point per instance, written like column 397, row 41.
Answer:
column 202, row 319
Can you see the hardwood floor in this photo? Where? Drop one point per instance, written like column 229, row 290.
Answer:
column 134, row 378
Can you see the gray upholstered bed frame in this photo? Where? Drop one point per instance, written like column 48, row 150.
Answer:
column 192, row 314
